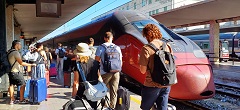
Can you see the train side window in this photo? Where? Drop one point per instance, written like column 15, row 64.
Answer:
column 205, row 45
column 238, row 43
column 140, row 25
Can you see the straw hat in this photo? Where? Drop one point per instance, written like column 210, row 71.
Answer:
column 82, row 49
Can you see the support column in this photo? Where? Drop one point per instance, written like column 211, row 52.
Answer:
column 214, row 41
column 17, row 33
column 2, row 27
column 9, row 26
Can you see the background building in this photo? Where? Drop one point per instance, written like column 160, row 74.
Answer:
column 152, row 7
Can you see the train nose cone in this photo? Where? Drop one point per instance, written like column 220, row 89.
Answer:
column 194, row 82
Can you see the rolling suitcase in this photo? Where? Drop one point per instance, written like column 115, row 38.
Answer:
column 27, row 88
column 47, row 78
column 38, row 90
column 53, row 72
column 52, row 65
column 68, row 79
column 73, row 104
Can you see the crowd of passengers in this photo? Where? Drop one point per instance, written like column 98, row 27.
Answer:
column 38, row 59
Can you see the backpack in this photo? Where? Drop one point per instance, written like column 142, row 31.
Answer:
column 123, row 99
column 112, row 62
column 61, row 53
column 5, row 65
column 164, row 70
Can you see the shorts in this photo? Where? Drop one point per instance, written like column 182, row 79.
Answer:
column 16, row 78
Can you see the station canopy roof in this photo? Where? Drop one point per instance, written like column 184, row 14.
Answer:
column 200, row 13
column 32, row 26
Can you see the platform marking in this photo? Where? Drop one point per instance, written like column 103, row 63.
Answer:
column 135, row 100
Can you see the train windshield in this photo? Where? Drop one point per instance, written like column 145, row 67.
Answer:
column 224, row 45
column 140, row 25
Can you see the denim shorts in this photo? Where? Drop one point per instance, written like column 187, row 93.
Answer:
column 16, row 78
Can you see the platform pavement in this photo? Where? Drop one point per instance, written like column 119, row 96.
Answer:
column 58, row 96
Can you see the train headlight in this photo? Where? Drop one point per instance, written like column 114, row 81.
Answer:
column 199, row 54
column 197, row 51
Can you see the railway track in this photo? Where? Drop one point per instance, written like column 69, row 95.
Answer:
column 227, row 90
column 187, row 105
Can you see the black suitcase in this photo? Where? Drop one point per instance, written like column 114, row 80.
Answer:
column 123, row 99
column 68, row 79
column 73, row 104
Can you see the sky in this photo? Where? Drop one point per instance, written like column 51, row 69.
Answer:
column 99, row 8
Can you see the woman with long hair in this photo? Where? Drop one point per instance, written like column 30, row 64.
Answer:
column 90, row 68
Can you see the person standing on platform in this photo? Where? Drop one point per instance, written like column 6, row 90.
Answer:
column 152, row 92
column 110, row 78
column 91, row 70
column 15, row 77
column 60, row 52
column 49, row 58
column 40, row 70
column 91, row 47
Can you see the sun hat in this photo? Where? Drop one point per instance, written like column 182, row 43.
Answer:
column 82, row 49
column 32, row 47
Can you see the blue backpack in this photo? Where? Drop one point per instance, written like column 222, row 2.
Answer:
column 112, row 61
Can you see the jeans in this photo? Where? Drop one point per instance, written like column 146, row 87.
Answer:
column 38, row 71
column 151, row 95
column 60, row 68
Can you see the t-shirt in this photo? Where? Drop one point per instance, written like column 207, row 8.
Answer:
column 100, row 52
column 32, row 57
column 93, row 49
column 57, row 50
column 147, row 59
column 12, row 58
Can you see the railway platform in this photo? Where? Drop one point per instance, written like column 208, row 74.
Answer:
column 58, row 96
column 224, row 72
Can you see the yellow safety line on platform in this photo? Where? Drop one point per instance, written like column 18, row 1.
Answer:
column 135, row 100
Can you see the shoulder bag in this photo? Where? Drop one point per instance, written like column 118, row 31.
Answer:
column 92, row 92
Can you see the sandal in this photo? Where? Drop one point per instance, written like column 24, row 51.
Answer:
column 13, row 102
column 24, row 101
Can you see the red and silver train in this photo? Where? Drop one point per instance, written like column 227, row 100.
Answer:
column 194, row 73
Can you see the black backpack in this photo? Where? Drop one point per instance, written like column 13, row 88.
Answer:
column 61, row 53
column 5, row 65
column 123, row 99
column 164, row 70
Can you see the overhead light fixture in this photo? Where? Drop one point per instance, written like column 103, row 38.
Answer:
column 21, row 35
column 48, row 8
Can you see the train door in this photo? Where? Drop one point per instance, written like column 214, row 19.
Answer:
column 223, row 51
column 122, row 43
column 134, row 47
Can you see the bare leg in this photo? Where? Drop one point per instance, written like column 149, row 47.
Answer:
column 11, row 92
column 75, row 84
column 22, row 89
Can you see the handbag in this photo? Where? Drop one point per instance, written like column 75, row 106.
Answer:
column 92, row 92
